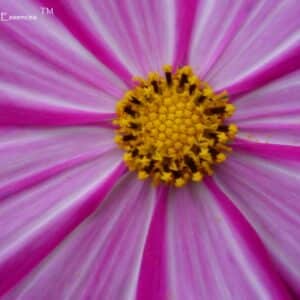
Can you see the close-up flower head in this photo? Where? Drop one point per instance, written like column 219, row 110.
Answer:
column 150, row 149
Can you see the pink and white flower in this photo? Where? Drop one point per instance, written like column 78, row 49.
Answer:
column 75, row 224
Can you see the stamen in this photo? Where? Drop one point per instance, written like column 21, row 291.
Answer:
column 183, row 80
column 155, row 86
column 129, row 110
column 169, row 78
column 173, row 128
column 192, row 88
column 135, row 100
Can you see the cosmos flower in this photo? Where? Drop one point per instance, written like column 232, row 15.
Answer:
column 104, row 195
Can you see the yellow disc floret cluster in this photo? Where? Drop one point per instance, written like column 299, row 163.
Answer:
column 173, row 127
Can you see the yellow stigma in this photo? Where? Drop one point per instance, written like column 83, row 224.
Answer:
column 173, row 129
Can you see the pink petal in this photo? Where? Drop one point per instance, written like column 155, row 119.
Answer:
column 31, row 84
column 84, row 32
column 30, row 155
column 152, row 277
column 11, row 115
column 35, row 221
column 139, row 34
column 185, row 20
column 102, row 257
column 271, row 113
column 213, row 253
column 266, row 47
column 216, row 24
column 43, row 66
column 263, row 182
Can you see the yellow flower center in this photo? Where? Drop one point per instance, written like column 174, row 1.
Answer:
column 172, row 127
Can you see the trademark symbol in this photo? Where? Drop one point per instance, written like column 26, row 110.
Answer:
column 47, row 11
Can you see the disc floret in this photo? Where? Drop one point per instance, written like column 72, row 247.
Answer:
column 173, row 128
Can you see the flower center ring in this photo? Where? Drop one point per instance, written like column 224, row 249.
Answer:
column 173, row 127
